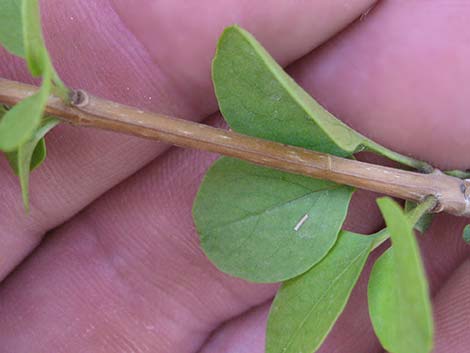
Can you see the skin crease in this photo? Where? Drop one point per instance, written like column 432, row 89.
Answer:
column 126, row 274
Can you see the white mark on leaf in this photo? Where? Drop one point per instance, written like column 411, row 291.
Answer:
column 301, row 222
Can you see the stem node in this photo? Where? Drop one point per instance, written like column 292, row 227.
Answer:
column 79, row 98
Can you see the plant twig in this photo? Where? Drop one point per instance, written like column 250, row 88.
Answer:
column 453, row 194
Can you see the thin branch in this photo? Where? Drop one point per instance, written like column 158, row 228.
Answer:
column 453, row 194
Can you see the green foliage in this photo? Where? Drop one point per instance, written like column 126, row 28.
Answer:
column 22, row 128
column 399, row 301
column 258, row 98
column 261, row 224
column 21, row 121
column 30, row 155
column 306, row 307
column 247, row 215
column 11, row 28
column 265, row 225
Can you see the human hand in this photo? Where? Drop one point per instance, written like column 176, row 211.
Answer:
column 121, row 269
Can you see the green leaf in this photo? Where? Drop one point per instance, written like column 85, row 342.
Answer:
column 40, row 151
column 306, row 307
column 466, row 234
column 37, row 158
column 265, row 225
column 423, row 224
column 21, row 131
column 39, row 154
column 399, row 300
column 21, row 121
column 258, row 98
column 11, row 27
column 37, row 56
column 30, row 155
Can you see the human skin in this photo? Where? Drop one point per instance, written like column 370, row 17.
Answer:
column 121, row 269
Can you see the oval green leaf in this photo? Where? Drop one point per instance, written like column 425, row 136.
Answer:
column 265, row 225
column 11, row 26
column 20, row 122
column 306, row 308
column 258, row 98
column 399, row 300
column 30, row 155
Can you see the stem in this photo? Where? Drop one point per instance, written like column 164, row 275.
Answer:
column 88, row 111
column 458, row 173
column 413, row 216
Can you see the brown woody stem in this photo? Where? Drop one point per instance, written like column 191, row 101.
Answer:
column 452, row 193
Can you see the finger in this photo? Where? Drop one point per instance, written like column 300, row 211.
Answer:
column 95, row 51
column 443, row 249
column 452, row 313
column 245, row 333
column 135, row 263
column 400, row 76
column 289, row 23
